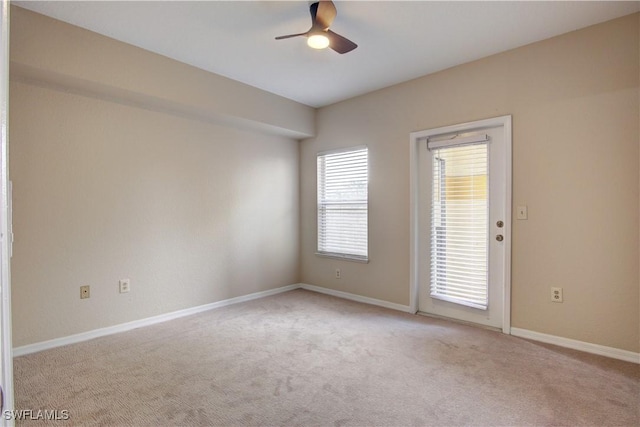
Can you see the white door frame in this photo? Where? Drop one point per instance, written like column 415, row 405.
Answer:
column 414, row 217
column 6, row 349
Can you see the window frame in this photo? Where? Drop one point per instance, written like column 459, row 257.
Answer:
column 341, row 255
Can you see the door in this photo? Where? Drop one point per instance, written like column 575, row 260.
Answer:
column 463, row 221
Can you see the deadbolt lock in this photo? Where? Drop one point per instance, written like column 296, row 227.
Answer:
column 500, row 224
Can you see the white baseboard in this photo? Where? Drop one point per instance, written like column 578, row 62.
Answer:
column 123, row 327
column 358, row 298
column 85, row 336
column 615, row 353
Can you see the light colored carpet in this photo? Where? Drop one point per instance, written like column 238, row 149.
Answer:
column 306, row 359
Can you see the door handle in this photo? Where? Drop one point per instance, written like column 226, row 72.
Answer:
column 499, row 238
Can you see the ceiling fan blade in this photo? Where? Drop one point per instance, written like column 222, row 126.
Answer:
column 339, row 43
column 291, row 35
column 325, row 14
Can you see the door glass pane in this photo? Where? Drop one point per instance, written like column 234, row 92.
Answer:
column 459, row 225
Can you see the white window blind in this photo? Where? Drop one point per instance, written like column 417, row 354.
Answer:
column 459, row 224
column 342, row 203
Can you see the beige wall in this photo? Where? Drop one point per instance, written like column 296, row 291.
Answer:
column 109, row 183
column 575, row 106
column 45, row 49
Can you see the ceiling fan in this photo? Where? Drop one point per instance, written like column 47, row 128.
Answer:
column 320, row 36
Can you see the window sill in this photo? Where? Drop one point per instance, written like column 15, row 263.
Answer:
column 353, row 258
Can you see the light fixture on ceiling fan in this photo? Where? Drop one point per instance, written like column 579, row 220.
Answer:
column 318, row 41
column 323, row 13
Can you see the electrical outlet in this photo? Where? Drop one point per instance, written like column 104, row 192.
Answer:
column 556, row 295
column 125, row 285
column 337, row 273
column 84, row 292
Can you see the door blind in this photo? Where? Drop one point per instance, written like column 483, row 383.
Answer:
column 459, row 224
column 342, row 203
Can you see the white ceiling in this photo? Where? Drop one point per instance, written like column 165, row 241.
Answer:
column 398, row 40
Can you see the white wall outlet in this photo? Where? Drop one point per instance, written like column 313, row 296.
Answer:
column 556, row 295
column 125, row 285
column 337, row 273
column 521, row 212
column 85, row 292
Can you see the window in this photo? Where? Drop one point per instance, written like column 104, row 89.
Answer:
column 342, row 203
column 459, row 225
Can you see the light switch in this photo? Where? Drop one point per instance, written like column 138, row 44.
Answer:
column 522, row 212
